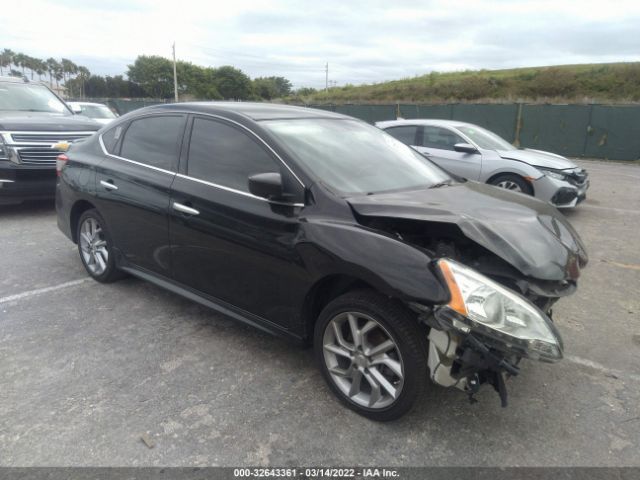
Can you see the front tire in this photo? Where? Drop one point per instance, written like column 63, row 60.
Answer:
column 372, row 353
column 96, row 248
column 513, row 182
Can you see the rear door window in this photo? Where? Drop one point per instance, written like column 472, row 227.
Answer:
column 405, row 133
column 154, row 141
column 110, row 139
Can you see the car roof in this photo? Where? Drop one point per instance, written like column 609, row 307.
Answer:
column 87, row 103
column 424, row 121
column 25, row 80
column 7, row 78
column 254, row 111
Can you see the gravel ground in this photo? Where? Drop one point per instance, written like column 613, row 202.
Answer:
column 87, row 370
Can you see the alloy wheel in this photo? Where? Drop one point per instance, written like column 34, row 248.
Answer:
column 509, row 185
column 93, row 246
column 363, row 360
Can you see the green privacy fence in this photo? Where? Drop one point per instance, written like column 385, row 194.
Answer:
column 596, row 131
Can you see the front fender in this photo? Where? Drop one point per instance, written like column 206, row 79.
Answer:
column 391, row 266
column 493, row 164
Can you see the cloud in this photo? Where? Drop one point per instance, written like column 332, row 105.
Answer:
column 363, row 41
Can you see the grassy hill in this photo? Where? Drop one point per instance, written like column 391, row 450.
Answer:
column 589, row 83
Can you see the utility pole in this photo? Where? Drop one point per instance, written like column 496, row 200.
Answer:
column 175, row 75
column 326, row 77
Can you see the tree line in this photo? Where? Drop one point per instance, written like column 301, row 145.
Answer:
column 148, row 76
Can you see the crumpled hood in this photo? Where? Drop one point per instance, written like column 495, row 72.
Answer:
column 45, row 122
column 532, row 236
column 538, row 158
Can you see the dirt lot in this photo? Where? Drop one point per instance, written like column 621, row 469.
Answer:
column 86, row 369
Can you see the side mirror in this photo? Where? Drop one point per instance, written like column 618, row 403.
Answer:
column 76, row 109
column 266, row 185
column 465, row 148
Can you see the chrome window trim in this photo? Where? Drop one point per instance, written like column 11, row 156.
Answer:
column 239, row 192
column 182, row 112
column 258, row 137
column 104, row 150
column 205, row 182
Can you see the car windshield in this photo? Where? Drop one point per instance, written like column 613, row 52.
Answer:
column 355, row 158
column 29, row 97
column 486, row 139
column 96, row 111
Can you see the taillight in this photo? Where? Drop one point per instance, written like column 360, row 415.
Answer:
column 61, row 161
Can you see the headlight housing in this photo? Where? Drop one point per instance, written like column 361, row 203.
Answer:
column 4, row 154
column 553, row 173
column 505, row 318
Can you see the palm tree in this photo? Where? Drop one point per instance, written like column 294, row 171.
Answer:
column 31, row 63
column 52, row 67
column 41, row 68
column 83, row 75
column 68, row 68
column 19, row 60
column 6, row 59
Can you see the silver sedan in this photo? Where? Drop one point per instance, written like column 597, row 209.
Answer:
column 475, row 153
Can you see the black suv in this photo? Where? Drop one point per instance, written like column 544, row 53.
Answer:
column 33, row 120
column 329, row 231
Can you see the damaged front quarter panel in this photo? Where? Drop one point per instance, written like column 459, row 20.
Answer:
column 519, row 242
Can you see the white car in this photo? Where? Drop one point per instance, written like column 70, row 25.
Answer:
column 477, row 154
column 96, row 111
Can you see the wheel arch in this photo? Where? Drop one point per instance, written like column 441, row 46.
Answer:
column 324, row 291
column 511, row 172
column 77, row 210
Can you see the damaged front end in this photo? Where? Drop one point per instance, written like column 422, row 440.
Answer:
column 505, row 258
column 483, row 332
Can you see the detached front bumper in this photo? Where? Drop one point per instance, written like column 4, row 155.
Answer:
column 560, row 193
column 464, row 358
column 18, row 183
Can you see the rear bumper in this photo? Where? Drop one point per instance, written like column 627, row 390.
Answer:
column 18, row 184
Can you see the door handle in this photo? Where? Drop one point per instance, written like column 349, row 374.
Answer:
column 108, row 185
column 185, row 209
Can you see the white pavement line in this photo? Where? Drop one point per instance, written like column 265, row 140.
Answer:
column 601, row 368
column 39, row 291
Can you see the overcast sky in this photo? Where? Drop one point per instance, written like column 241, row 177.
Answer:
column 363, row 41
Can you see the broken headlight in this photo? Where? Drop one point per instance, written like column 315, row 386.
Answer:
column 493, row 311
column 553, row 173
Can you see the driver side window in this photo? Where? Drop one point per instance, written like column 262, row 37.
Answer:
column 226, row 156
column 441, row 138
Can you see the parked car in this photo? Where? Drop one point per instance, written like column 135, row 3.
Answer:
column 326, row 230
column 478, row 154
column 33, row 120
column 96, row 111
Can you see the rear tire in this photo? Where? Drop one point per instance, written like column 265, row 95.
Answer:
column 513, row 182
column 381, row 370
column 96, row 248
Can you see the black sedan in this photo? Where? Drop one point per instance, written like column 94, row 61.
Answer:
column 329, row 231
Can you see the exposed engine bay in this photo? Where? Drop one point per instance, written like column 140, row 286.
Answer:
column 446, row 240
